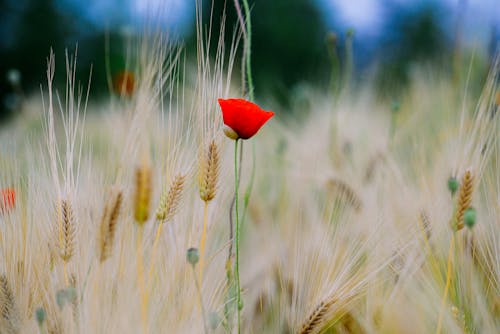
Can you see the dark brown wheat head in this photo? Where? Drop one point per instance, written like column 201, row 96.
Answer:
column 108, row 225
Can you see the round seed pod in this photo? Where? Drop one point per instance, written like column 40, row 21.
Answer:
column 193, row 256
column 453, row 185
column 470, row 217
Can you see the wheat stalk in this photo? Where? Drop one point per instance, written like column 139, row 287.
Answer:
column 108, row 225
column 142, row 199
column 464, row 198
column 169, row 203
column 209, row 172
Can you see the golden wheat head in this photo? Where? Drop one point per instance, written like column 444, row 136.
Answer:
column 464, row 198
column 316, row 317
column 209, row 172
column 108, row 225
column 7, row 307
column 67, row 245
column 142, row 197
column 169, row 200
column 345, row 193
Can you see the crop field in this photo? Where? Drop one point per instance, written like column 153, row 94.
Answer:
column 178, row 205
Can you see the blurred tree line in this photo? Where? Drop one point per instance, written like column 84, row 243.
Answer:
column 288, row 42
column 292, row 44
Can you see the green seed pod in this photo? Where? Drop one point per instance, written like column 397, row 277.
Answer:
column 40, row 316
column 453, row 185
column 470, row 217
column 61, row 298
column 395, row 106
column 214, row 320
column 64, row 296
column 193, row 256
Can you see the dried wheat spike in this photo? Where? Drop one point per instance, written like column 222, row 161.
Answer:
column 426, row 224
column 464, row 198
column 169, row 200
column 68, row 231
column 142, row 194
column 108, row 225
column 316, row 318
column 209, row 172
column 74, row 302
column 8, row 306
column 372, row 166
column 345, row 193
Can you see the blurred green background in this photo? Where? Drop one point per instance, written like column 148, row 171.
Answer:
column 323, row 44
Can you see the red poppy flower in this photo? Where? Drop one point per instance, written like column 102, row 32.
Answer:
column 7, row 199
column 124, row 83
column 243, row 118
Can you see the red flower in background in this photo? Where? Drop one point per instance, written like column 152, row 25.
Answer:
column 7, row 199
column 124, row 83
column 243, row 118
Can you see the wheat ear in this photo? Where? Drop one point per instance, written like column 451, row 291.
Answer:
column 169, row 200
column 8, row 306
column 464, row 198
column 166, row 211
column 142, row 194
column 209, row 173
column 317, row 316
column 108, row 225
column 345, row 193
column 142, row 200
column 67, row 233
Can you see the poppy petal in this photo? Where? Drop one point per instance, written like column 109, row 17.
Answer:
column 243, row 117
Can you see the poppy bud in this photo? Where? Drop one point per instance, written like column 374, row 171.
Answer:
column 470, row 217
column 7, row 199
column 193, row 256
column 124, row 83
column 452, row 185
column 40, row 316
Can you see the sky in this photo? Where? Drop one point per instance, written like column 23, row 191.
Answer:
column 367, row 16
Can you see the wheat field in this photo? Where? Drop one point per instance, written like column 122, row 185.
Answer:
column 355, row 218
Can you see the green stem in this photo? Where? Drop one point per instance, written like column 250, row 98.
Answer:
column 200, row 297
column 237, row 241
column 248, row 191
column 248, row 47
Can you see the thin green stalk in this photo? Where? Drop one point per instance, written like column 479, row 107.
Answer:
column 237, row 241
column 248, row 191
column 447, row 284
column 248, row 48
column 200, row 297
